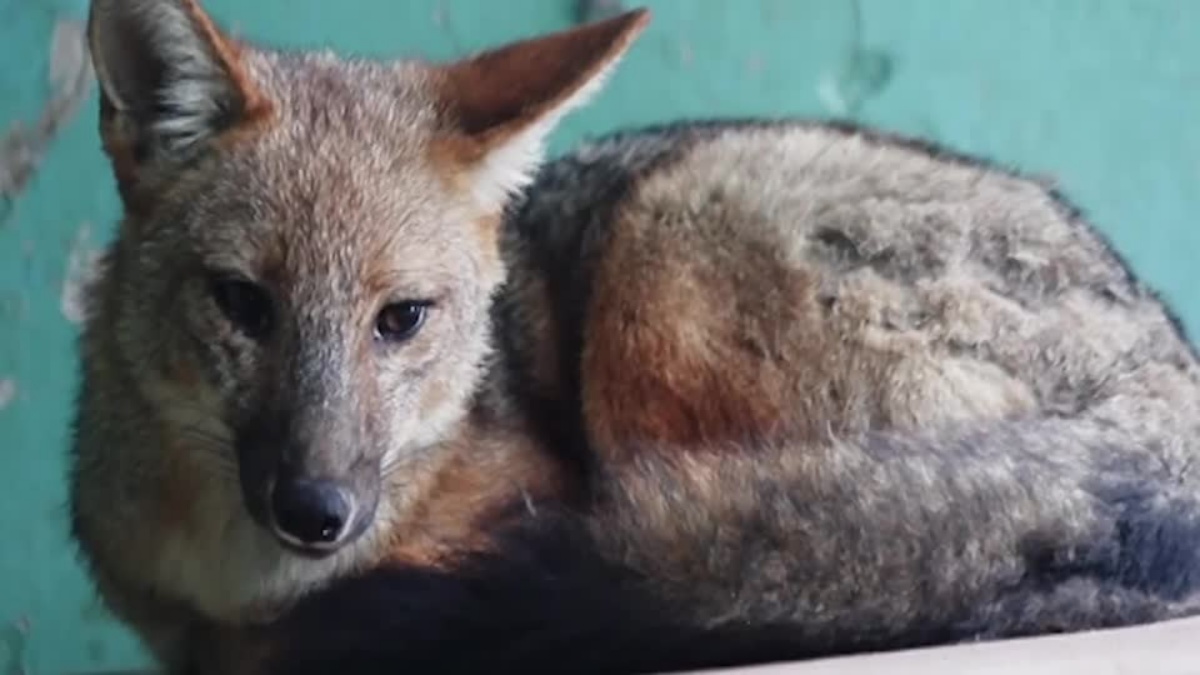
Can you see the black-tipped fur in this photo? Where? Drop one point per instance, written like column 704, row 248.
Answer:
column 547, row 602
column 550, row 601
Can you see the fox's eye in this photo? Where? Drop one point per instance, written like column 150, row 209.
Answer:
column 400, row 320
column 246, row 305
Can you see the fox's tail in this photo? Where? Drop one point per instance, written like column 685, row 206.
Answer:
column 742, row 556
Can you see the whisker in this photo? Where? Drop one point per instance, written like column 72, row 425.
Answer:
column 215, row 442
column 210, row 440
column 216, row 449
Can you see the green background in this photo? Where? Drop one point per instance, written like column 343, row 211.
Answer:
column 1101, row 95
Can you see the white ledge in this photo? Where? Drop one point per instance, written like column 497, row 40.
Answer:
column 1164, row 648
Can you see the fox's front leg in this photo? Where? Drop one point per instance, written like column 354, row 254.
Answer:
column 181, row 642
column 171, row 639
column 213, row 649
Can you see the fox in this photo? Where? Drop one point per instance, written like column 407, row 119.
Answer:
column 369, row 383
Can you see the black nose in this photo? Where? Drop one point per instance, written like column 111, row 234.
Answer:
column 311, row 513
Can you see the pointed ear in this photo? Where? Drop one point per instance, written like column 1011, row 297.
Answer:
column 169, row 78
column 501, row 105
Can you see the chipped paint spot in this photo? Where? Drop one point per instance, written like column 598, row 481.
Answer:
column 587, row 11
column 13, row 305
column 686, row 54
column 755, row 65
column 96, row 651
column 860, row 76
column 82, row 261
column 23, row 147
column 95, row 611
column 14, row 647
column 8, row 392
column 445, row 23
column 68, row 54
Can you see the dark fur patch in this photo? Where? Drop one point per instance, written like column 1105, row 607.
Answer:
column 548, row 604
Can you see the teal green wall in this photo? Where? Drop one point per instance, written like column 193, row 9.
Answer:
column 1103, row 96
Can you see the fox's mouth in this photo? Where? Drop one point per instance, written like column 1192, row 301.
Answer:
column 316, row 551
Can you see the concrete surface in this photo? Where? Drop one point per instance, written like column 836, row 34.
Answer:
column 1103, row 96
column 1168, row 648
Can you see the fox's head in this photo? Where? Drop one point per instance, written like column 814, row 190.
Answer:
column 310, row 243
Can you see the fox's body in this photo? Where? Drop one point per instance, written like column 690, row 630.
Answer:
column 702, row 394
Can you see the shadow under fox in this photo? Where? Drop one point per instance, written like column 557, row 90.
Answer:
column 368, row 387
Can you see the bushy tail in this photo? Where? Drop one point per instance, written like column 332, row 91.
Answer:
column 734, row 557
column 998, row 529
column 546, row 602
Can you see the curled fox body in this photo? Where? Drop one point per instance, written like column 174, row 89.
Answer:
column 368, row 386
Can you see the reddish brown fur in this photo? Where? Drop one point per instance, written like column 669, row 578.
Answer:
column 487, row 229
column 503, row 91
column 475, row 485
column 723, row 358
column 254, row 106
column 120, row 151
column 178, row 491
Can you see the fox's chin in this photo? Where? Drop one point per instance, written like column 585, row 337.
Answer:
column 309, row 552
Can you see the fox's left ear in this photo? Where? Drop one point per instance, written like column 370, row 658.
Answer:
column 171, row 81
column 501, row 105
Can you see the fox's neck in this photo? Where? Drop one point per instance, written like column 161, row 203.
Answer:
column 488, row 470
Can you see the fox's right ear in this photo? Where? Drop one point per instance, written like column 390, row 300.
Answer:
column 170, row 79
column 502, row 104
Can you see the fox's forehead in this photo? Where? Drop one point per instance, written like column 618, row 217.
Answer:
column 332, row 227
column 342, row 179
column 342, row 125
column 330, row 97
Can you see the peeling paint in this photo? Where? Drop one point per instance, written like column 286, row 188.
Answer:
column 94, row 610
column 595, row 10
column 23, row 147
column 686, row 54
column 96, row 650
column 443, row 19
column 13, row 305
column 860, row 76
column 755, row 65
column 14, row 647
column 82, row 260
column 8, row 392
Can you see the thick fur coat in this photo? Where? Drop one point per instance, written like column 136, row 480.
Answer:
column 710, row 393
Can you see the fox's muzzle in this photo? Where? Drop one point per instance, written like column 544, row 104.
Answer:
column 305, row 478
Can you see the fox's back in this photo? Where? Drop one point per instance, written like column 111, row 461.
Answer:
column 761, row 279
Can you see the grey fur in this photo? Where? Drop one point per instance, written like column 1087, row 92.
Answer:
column 972, row 418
